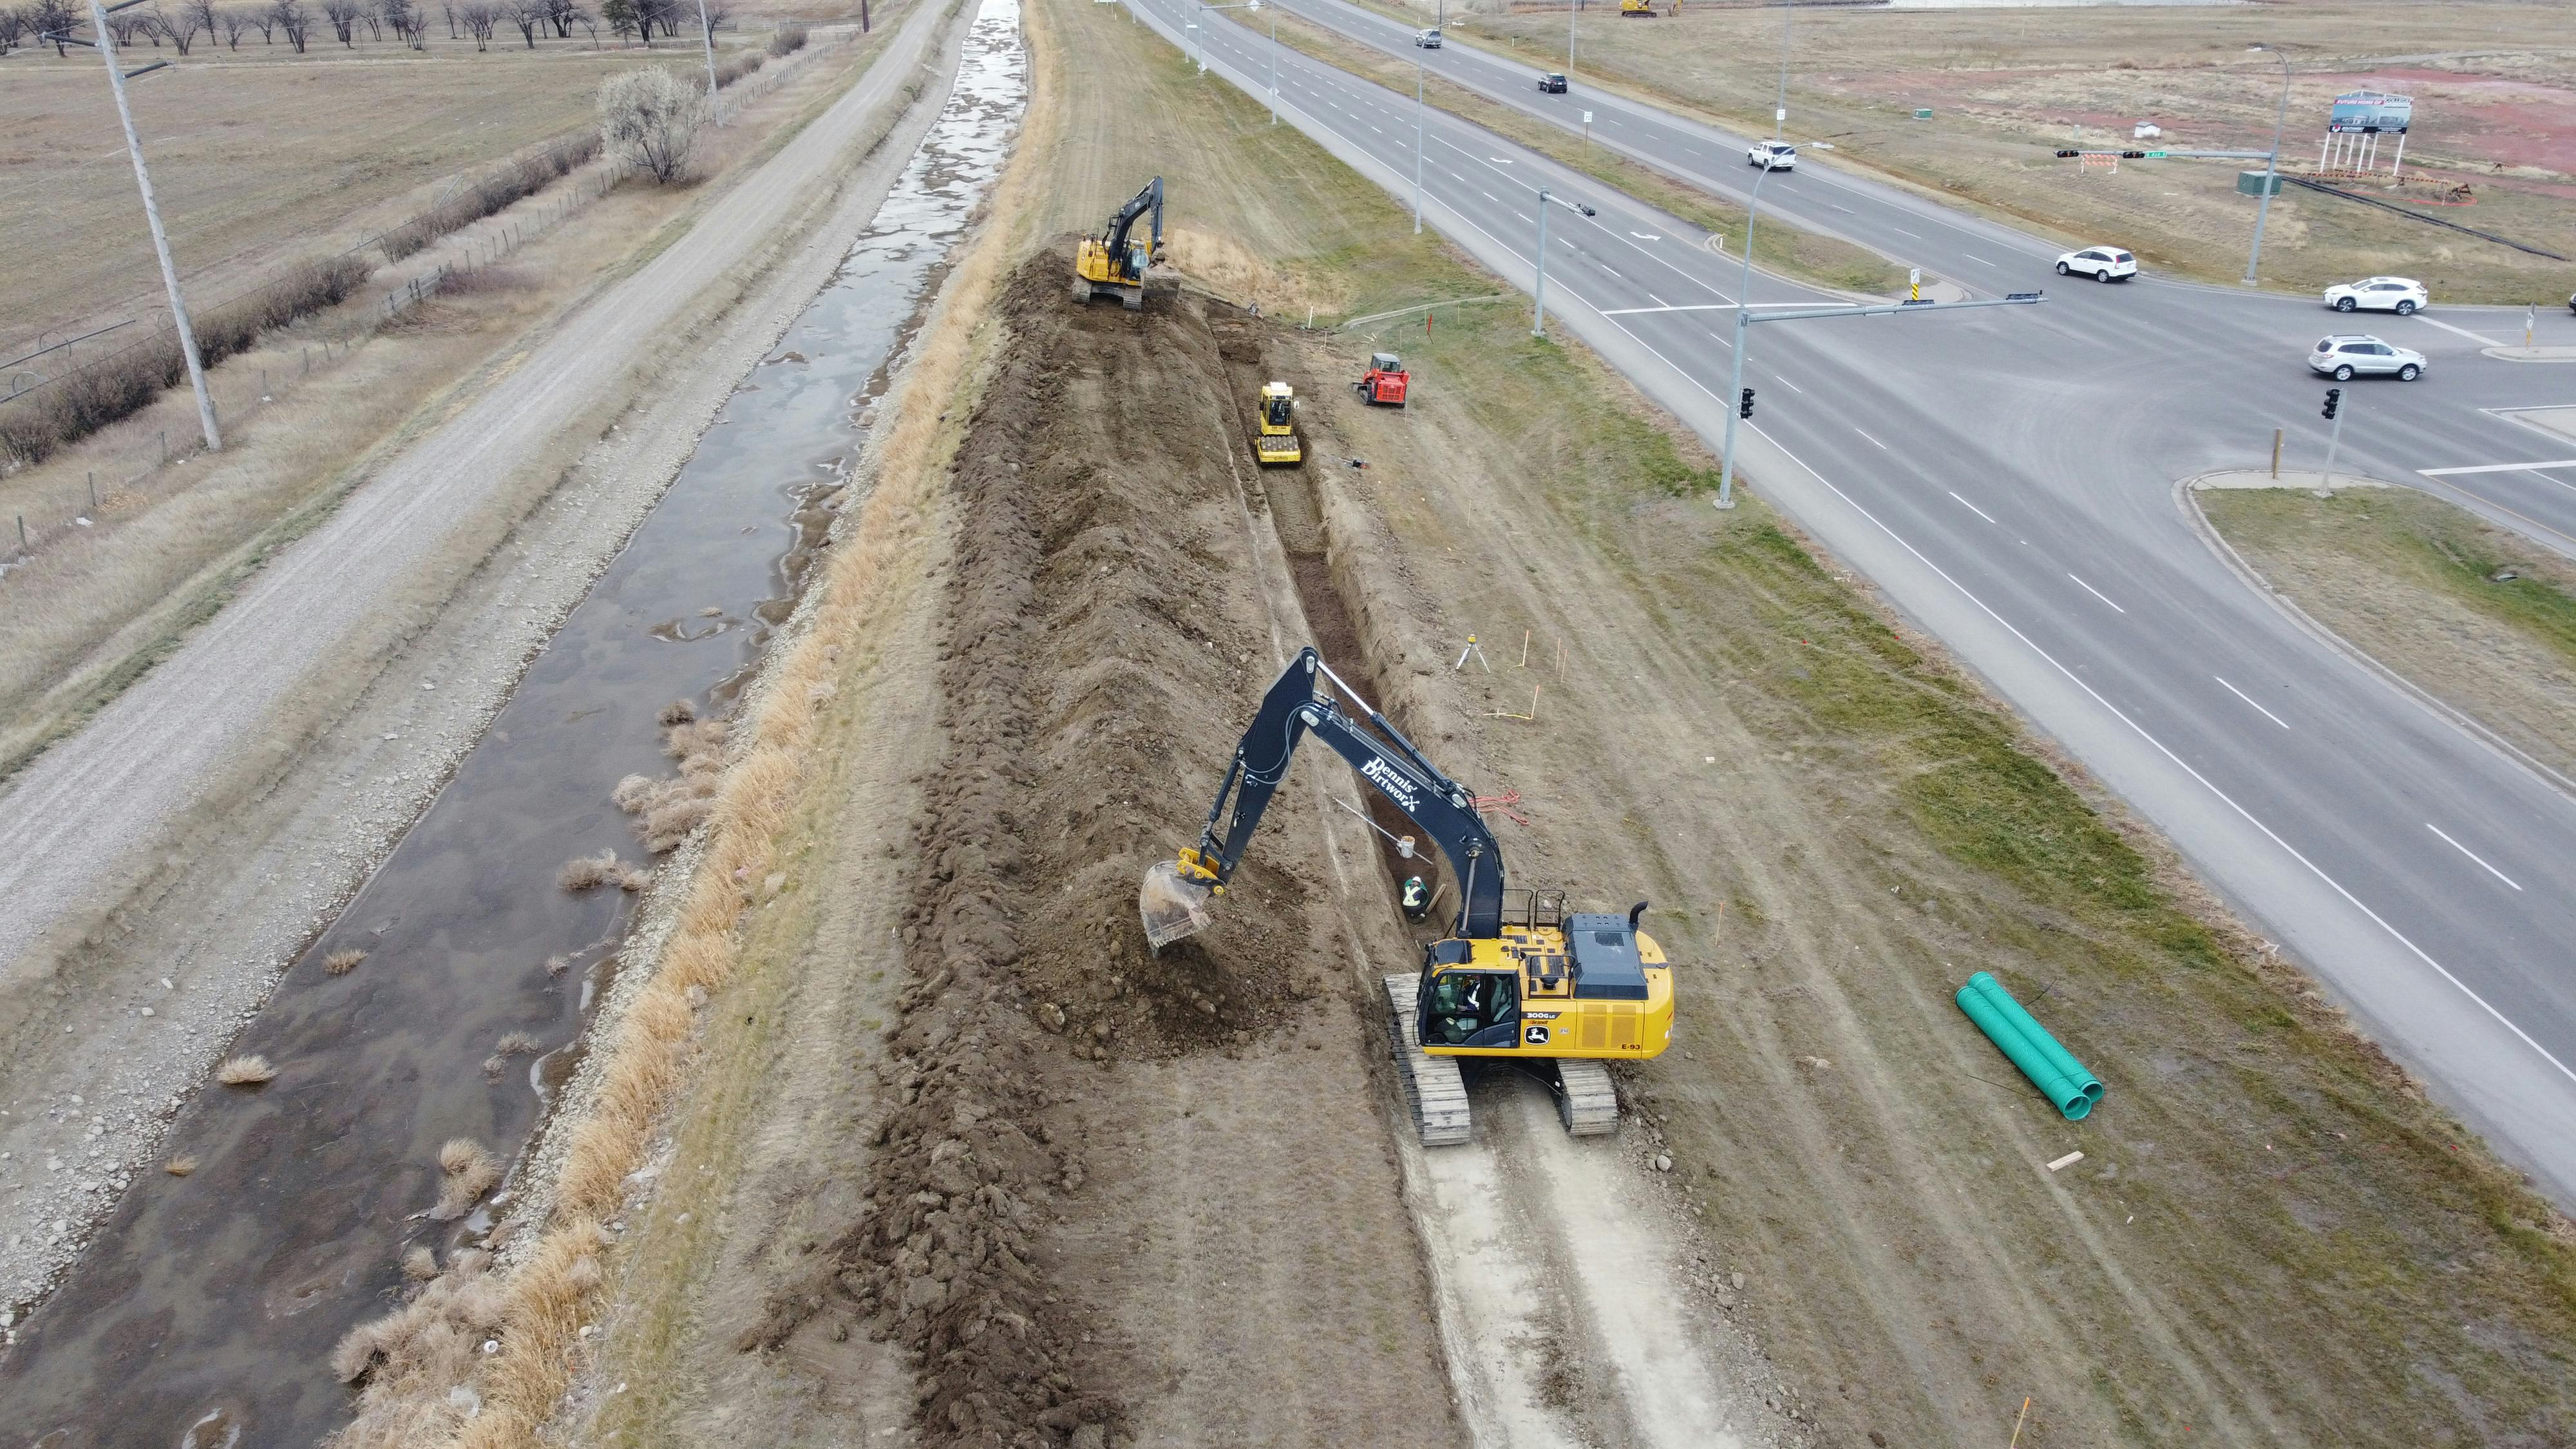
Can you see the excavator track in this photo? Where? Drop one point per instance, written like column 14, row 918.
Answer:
column 1585, row 1101
column 1432, row 1085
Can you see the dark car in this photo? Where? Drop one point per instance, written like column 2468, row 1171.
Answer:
column 1552, row 83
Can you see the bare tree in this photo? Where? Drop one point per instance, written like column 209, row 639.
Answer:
column 448, row 8
column 620, row 16
column 564, row 15
column 294, row 19
column 481, row 19
column 373, row 15
column 124, row 25
column 235, row 20
column 13, row 26
column 650, row 118
column 203, row 12
column 51, row 19
column 529, row 16
column 407, row 21
column 715, row 13
column 185, row 24
column 341, row 15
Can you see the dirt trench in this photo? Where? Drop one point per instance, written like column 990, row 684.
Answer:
column 1112, row 1178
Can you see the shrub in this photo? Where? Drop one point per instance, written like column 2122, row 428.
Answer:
column 651, row 118
column 523, row 177
column 734, row 67
column 788, row 39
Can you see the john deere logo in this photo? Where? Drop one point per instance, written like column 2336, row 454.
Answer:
column 1537, row 1036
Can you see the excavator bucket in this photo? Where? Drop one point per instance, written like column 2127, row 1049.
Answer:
column 1171, row 905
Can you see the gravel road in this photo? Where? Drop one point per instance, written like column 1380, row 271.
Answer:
column 80, row 814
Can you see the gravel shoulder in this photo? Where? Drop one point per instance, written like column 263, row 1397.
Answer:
column 226, row 873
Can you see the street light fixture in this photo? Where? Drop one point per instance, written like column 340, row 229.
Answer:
column 2272, row 166
column 1538, row 295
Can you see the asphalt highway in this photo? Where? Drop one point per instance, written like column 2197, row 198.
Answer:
column 2007, row 477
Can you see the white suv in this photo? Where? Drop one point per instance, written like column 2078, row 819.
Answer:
column 2344, row 358
column 2400, row 295
column 2102, row 264
column 1772, row 156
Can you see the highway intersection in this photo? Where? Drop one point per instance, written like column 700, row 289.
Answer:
column 2010, row 480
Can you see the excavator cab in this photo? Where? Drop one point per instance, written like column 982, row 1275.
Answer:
column 1113, row 262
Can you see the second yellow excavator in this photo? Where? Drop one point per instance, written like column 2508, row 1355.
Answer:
column 1114, row 263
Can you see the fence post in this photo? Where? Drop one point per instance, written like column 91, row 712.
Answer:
column 165, row 448
column 22, row 533
column 93, row 490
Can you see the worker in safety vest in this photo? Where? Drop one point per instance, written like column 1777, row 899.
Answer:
column 1417, row 898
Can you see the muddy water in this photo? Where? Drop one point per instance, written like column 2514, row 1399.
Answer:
column 210, row 1303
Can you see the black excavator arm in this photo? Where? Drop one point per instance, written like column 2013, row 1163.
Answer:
column 1114, row 235
column 1444, row 809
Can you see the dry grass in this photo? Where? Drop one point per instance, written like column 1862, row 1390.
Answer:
column 558, row 965
column 469, row 1171
column 250, row 156
column 419, row 1264
column 667, row 811
column 678, row 712
column 341, row 963
column 179, row 1166
column 587, row 872
column 518, row 1044
column 245, row 1071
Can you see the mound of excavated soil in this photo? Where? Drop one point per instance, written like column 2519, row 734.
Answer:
column 1105, row 645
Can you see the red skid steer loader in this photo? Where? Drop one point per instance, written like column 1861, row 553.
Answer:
column 1385, row 381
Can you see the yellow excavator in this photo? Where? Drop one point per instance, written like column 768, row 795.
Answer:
column 1517, row 978
column 1645, row 8
column 1274, row 437
column 1113, row 263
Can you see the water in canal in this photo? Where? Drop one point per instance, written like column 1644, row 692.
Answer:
column 213, row 1300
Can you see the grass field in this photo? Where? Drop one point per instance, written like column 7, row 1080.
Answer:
column 262, row 154
column 2494, row 87
column 2478, row 617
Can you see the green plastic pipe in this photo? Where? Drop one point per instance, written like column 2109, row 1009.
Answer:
column 2050, row 1067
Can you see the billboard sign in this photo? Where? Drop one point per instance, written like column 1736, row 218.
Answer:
column 2370, row 112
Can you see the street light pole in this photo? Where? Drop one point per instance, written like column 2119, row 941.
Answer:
column 1538, row 294
column 1780, row 108
column 1743, row 309
column 1569, row 43
column 1417, row 146
column 160, row 239
column 1274, row 63
column 2271, row 167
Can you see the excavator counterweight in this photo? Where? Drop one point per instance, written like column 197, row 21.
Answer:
column 1516, row 977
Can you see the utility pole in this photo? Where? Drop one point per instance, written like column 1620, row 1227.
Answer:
column 116, row 78
column 1274, row 63
column 707, row 31
column 1569, row 44
column 2272, row 166
column 1780, row 109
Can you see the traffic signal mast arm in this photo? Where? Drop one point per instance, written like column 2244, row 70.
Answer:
column 1391, row 766
column 2070, row 153
column 1891, row 309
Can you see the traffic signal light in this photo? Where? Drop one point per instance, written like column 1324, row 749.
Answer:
column 1744, row 408
column 2066, row 155
column 2133, row 155
column 2334, row 400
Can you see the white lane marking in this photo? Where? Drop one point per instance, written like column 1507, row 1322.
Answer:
column 1972, row 508
column 1793, row 387
column 2249, row 699
column 1373, row 128
column 1525, row 216
column 2497, row 468
column 2097, row 593
column 2071, row 677
column 1496, row 200
column 1500, row 160
column 1645, row 236
column 1882, row 447
column 1900, row 231
column 2248, row 816
column 1980, row 261
column 2473, row 337
column 1845, row 210
column 2471, row 854
column 1605, row 266
column 1660, row 302
column 1704, row 307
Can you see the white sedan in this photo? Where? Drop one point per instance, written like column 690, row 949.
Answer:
column 2102, row 264
column 2401, row 295
column 1772, row 156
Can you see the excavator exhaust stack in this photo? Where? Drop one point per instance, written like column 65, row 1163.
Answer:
column 1172, row 906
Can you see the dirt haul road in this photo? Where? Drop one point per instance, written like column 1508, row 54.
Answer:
column 75, row 819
